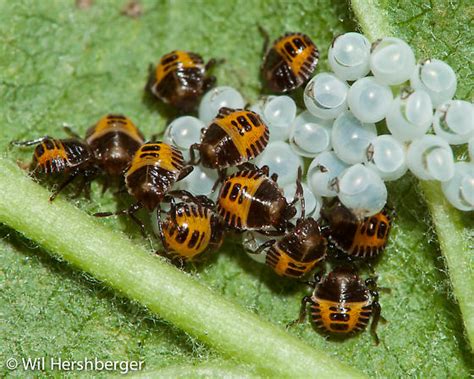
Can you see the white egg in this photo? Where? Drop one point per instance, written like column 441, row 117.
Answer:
column 351, row 138
column 436, row 78
column 282, row 160
column 310, row 135
column 471, row 149
column 387, row 156
column 325, row 95
column 410, row 115
column 183, row 132
column 279, row 112
column 454, row 121
column 431, row 158
column 459, row 190
column 216, row 98
column 349, row 56
column 322, row 171
column 392, row 61
column 200, row 181
column 369, row 100
column 361, row 190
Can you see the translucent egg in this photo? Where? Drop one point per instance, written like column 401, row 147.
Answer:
column 470, row 148
column 369, row 100
column 362, row 190
column 281, row 159
column 183, row 132
column 410, row 115
column 454, row 121
column 217, row 98
column 258, row 106
column 322, row 171
column 392, row 61
column 436, row 78
column 459, row 190
column 200, row 181
column 312, row 203
column 387, row 157
column 279, row 112
column 325, row 96
column 349, row 56
column 310, row 135
column 251, row 242
column 351, row 138
column 467, row 187
column 431, row 158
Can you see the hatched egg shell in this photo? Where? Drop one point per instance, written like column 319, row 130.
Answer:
column 454, row 121
column 351, row 138
column 325, row 95
column 457, row 187
column 392, row 61
column 410, row 115
column 431, row 158
column 322, row 171
column 388, row 157
column 369, row 100
column 216, row 98
column 362, row 190
column 310, row 135
column 349, row 56
column 436, row 78
column 282, row 160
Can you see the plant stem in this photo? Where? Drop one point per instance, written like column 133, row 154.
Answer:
column 456, row 242
column 114, row 259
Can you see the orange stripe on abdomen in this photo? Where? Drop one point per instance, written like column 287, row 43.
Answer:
column 157, row 154
column 236, row 197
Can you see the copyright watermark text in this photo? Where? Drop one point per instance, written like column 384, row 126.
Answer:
column 59, row 364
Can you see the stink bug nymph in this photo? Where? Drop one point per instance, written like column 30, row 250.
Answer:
column 299, row 250
column 180, row 79
column 289, row 62
column 234, row 137
column 251, row 200
column 190, row 227
column 359, row 238
column 114, row 141
column 342, row 304
column 155, row 167
column 69, row 157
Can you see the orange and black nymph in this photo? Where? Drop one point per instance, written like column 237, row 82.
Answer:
column 69, row 157
column 234, row 137
column 180, row 79
column 289, row 62
column 155, row 167
column 360, row 238
column 251, row 200
column 298, row 252
column 114, row 139
column 342, row 304
column 190, row 228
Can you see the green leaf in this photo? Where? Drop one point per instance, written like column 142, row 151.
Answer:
column 430, row 29
column 59, row 64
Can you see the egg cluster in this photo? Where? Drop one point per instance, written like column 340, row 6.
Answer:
column 338, row 131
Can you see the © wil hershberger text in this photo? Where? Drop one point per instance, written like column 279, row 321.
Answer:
column 86, row 364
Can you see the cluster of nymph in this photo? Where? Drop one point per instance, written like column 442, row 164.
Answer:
column 239, row 169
